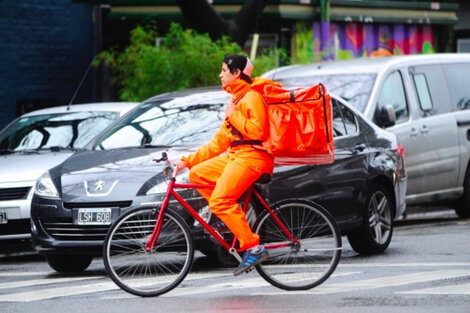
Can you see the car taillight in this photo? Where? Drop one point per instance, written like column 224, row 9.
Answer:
column 400, row 151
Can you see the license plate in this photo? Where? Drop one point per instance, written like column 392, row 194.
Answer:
column 94, row 216
column 3, row 217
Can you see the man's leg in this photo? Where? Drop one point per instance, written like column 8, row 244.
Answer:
column 235, row 179
column 208, row 172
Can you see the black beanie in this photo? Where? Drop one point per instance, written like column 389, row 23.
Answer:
column 239, row 62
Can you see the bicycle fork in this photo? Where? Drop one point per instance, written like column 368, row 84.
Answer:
column 159, row 222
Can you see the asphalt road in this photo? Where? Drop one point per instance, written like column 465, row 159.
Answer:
column 425, row 269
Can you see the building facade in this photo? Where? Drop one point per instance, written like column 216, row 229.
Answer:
column 46, row 48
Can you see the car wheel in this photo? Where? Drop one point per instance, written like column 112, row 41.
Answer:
column 376, row 231
column 462, row 207
column 69, row 263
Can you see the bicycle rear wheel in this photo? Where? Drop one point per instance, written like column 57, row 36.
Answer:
column 145, row 273
column 309, row 262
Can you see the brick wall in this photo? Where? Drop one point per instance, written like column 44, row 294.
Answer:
column 45, row 48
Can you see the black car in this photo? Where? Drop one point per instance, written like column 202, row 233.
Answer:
column 364, row 188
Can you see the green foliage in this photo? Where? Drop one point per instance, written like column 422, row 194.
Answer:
column 304, row 44
column 184, row 59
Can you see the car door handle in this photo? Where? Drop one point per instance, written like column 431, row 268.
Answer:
column 359, row 147
column 414, row 132
column 424, row 130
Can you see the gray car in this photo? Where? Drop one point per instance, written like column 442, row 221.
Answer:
column 37, row 141
column 424, row 100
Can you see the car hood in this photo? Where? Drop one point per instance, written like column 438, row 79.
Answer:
column 28, row 167
column 112, row 175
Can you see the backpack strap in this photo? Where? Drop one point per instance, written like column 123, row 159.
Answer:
column 322, row 92
column 246, row 142
column 235, row 131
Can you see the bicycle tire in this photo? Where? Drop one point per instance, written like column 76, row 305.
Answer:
column 304, row 266
column 148, row 274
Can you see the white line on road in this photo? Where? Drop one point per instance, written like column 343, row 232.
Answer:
column 463, row 289
column 35, row 282
column 388, row 281
column 42, row 294
column 234, row 284
column 6, row 274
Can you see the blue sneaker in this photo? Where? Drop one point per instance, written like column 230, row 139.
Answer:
column 250, row 260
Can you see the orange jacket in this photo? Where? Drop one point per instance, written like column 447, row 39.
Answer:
column 249, row 119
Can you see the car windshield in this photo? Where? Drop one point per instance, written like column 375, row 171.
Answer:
column 354, row 88
column 54, row 131
column 185, row 120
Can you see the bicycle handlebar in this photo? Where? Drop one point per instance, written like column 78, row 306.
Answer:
column 169, row 163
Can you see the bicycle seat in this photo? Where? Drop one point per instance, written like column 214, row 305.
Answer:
column 264, row 179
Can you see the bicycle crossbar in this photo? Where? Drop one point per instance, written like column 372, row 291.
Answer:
column 170, row 192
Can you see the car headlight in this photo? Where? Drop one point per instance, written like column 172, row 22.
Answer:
column 45, row 187
column 161, row 187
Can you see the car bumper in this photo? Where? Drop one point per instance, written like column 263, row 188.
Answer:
column 54, row 230
column 15, row 208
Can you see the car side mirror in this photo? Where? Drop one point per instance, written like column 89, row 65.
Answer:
column 387, row 115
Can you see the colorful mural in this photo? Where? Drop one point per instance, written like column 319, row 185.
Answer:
column 347, row 40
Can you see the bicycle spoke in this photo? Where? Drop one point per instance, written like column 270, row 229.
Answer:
column 312, row 258
column 143, row 272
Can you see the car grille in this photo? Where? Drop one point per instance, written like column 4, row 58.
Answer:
column 64, row 229
column 14, row 193
column 15, row 227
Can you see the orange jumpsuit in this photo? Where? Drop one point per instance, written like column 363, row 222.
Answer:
column 234, row 172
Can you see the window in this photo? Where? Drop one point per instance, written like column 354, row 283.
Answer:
column 422, row 90
column 393, row 93
column 344, row 120
column 457, row 81
column 57, row 130
column 434, row 100
column 354, row 88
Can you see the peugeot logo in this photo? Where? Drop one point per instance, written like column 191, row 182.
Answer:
column 98, row 190
column 99, row 185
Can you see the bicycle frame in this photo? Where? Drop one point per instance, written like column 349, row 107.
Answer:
column 230, row 248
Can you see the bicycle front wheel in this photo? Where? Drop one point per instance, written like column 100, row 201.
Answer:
column 309, row 261
column 151, row 273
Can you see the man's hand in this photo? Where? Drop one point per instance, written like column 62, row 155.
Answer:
column 180, row 164
column 229, row 109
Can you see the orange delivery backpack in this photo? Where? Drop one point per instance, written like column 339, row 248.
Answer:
column 300, row 123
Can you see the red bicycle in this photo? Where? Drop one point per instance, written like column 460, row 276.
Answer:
column 148, row 251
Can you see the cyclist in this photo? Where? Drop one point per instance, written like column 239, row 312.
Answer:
column 244, row 127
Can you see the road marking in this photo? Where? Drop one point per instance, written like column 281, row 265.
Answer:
column 56, row 292
column 463, row 289
column 244, row 283
column 36, row 282
column 6, row 274
column 255, row 282
column 388, row 281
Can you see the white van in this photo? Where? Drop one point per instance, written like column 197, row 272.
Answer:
column 38, row 141
column 424, row 100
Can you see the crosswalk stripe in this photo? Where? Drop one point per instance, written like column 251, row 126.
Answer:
column 244, row 283
column 255, row 282
column 46, row 281
column 14, row 274
column 463, row 289
column 388, row 281
column 42, row 294
column 56, row 292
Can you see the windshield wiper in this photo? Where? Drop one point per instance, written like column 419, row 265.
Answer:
column 148, row 145
column 25, row 151
column 61, row 148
